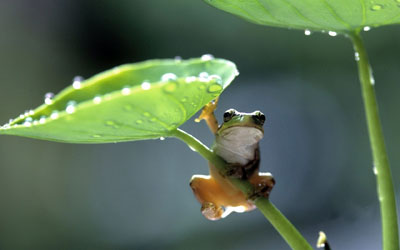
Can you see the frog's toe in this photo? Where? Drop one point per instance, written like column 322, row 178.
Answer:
column 211, row 211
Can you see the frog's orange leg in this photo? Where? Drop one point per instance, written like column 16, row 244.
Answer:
column 216, row 202
column 207, row 193
column 208, row 115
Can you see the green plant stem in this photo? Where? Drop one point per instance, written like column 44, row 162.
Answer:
column 295, row 240
column 386, row 194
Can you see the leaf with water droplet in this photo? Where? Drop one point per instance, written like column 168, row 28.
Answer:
column 131, row 102
column 339, row 16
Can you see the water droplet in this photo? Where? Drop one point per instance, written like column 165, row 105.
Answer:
column 153, row 119
column 357, row 56
column 214, row 88
column 126, row 90
column 190, row 79
column 48, row 98
column 96, row 136
column 184, row 99
column 147, row 114
column 217, row 78
column 145, row 85
column 97, row 99
column 307, row 32
column 367, row 28
column 42, row 119
column 27, row 123
column 35, row 122
column 375, row 170
column 76, row 83
column 376, row 7
column 203, row 75
column 28, row 119
column 70, row 107
column 112, row 124
column 31, row 112
column 139, row 121
column 168, row 77
column 371, row 77
column 207, row 57
column 332, row 33
column 54, row 115
column 170, row 87
column 178, row 58
column 162, row 138
column 21, row 116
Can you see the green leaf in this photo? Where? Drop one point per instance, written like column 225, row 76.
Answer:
column 130, row 102
column 320, row 15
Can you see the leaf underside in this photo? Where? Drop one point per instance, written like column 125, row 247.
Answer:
column 130, row 102
column 341, row 16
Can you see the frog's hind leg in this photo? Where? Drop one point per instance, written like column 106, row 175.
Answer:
column 207, row 192
column 207, row 114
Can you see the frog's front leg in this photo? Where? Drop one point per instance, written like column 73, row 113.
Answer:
column 207, row 114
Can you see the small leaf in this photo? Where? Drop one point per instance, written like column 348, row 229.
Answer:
column 130, row 102
column 320, row 15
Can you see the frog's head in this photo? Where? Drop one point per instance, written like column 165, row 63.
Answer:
column 244, row 127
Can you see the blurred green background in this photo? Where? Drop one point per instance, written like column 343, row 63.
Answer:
column 136, row 195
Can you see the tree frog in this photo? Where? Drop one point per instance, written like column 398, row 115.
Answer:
column 237, row 142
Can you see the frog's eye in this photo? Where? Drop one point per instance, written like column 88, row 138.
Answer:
column 259, row 117
column 229, row 114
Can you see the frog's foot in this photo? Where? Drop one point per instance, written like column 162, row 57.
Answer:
column 212, row 211
column 207, row 114
column 263, row 184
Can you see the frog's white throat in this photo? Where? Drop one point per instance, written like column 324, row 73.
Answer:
column 238, row 144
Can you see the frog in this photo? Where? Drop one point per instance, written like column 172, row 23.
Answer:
column 237, row 143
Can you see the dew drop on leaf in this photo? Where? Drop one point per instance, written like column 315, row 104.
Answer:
column 48, row 98
column 168, row 77
column 126, row 91
column 70, row 107
column 42, row 119
column 96, row 136
column 97, row 99
column 214, row 88
column 162, row 138
column 147, row 114
column 332, row 33
column 111, row 124
column 139, row 121
column 376, row 7
column 145, row 85
column 190, row 79
column 76, row 83
column 54, row 115
column 207, row 57
column 307, row 32
column 367, row 28
column 170, row 87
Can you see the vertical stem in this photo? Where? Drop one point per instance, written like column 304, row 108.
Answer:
column 386, row 192
column 295, row 240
